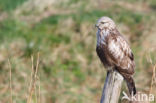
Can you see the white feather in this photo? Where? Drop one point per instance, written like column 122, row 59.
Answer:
column 101, row 38
column 115, row 50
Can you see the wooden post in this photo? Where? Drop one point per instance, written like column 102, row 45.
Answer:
column 112, row 87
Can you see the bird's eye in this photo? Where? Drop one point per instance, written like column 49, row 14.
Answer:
column 102, row 22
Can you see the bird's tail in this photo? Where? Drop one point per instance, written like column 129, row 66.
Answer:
column 131, row 84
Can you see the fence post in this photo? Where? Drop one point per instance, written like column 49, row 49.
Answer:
column 112, row 87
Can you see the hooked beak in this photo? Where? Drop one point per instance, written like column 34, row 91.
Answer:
column 96, row 25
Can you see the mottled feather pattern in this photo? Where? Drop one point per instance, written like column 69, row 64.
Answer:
column 114, row 51
column 117, row 47
column 101, row 36
column 120, row 50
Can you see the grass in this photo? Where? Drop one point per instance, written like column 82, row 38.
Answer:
column 69, row 66
column 10, row 81
column 8, row 5
column 33, row 91
column 32, row 88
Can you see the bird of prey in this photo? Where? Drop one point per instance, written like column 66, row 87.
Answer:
column 114, row 51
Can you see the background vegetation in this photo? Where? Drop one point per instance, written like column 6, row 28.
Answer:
column 63, row 32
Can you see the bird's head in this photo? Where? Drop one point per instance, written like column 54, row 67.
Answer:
column 105, row 23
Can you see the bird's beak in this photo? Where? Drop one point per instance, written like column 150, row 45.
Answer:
column 96, row 25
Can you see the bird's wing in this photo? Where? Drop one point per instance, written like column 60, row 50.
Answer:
column 121, row 54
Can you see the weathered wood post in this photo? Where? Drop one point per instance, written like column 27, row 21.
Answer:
column 112, row 87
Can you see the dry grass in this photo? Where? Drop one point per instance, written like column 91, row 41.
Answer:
column 70, row 68
column 153, row 80
column 32, row 88
column 10, row 81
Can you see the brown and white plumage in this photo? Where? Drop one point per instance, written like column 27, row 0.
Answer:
column 114, row 51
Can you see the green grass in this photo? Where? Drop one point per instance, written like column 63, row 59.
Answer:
column 8, row 5
column 69, row 67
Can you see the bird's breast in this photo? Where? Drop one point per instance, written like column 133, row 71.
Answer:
column 103, row 55
column 102, row 37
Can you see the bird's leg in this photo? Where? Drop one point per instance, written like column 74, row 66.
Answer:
column 110, row 69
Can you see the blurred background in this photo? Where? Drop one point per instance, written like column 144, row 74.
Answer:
column 63, row 32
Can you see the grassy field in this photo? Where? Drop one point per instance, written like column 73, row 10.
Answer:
column 63, row 33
